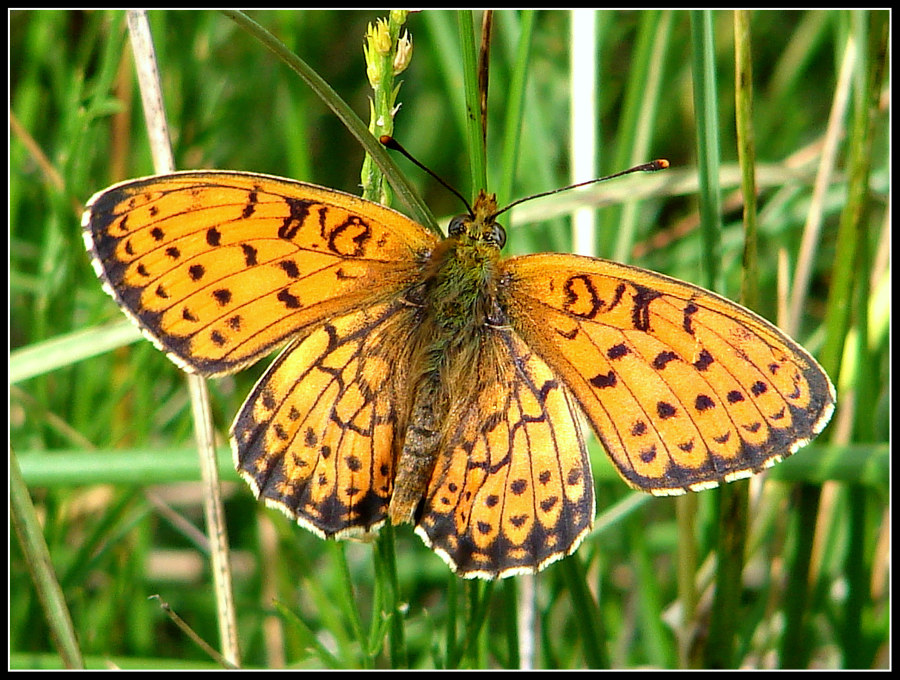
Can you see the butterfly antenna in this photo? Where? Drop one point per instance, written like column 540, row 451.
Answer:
column 652, row 166
column 392, row 144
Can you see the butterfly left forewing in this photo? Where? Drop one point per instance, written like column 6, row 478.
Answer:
column 512, row 491
column 684, row 388
column 218, row 268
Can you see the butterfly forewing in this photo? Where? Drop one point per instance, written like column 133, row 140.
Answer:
column 684, row 388
column 219, row 268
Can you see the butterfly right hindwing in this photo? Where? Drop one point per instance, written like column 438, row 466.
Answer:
column 512, row 490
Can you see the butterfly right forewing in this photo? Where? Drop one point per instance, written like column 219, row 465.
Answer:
column 684, row 388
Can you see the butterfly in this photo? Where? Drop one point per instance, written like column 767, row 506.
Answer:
column 433, row 381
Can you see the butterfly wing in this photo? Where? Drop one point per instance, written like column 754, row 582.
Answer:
column 316, row 437
column 219, row 268
column 684, row 388
column 513, row 492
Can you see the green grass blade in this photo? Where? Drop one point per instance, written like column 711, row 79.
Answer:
column 347, row 116
column 28, row 531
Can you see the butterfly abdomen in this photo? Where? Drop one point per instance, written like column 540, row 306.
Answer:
column 455, row 297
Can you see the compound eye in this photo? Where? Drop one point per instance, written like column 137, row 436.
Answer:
column 498, row 234
column 458, row 225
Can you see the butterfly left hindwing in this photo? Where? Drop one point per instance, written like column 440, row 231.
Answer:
column 316, row 438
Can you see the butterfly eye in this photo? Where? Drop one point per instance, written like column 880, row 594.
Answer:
column 458, row 225
column 498, row 235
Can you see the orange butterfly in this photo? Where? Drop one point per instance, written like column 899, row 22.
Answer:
column 433, row 381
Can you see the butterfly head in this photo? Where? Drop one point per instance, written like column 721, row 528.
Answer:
column 479, row 227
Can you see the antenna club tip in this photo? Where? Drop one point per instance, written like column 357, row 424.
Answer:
column 660, row 164
column 388, row 141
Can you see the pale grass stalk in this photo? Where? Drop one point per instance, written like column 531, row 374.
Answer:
column 154, row 112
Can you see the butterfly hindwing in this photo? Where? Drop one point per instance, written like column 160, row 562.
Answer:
column 684, row 388
column 316, row 437
column 219, row 268
column 512, row 490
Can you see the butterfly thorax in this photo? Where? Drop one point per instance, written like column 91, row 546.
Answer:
column 460, row 277
column 458, row 306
